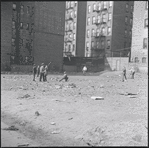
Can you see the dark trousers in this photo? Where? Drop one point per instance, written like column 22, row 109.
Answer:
column 41, row 76
column 132, row 75
column 45, row 77
column 64, row 78
column 34, row 74
column 124, row 76
column 38, row 72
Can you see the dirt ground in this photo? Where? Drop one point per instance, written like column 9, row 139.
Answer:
column 67, row 114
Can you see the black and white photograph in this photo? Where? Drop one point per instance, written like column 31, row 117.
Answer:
column 74, row 73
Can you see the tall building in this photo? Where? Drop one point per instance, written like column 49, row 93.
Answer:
column 139, row 48
column 107, row 27
column 33, row 32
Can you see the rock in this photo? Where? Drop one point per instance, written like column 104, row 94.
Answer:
column 97, row 98
column 37, row 113
column 137, row 138
column 53, row 123
column 26, row 96
column 70, row 118
column 55, row 132
column 12, row 128
column 101, row 86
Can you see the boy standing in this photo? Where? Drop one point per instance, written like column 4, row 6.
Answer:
column 41, row 72
column 34, row 71
column 124, row 74
column 84, row 70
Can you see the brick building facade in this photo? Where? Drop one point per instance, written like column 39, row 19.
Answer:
column 35, row 33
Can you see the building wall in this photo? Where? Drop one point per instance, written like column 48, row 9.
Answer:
column 81, row 29
column 49, row 33
column 139, row 31
column 6, row 24
column 119, row 40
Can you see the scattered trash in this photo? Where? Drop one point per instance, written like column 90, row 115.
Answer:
column 43, row 90
column 97, row 98
column 23, row 145
column 70, row 118
column 137, row 138
column 72, row 85
column 26, row 96
column 12, row 128
column 58, row 87
column 53, row 123
column 101, row 86
column 55, row 132
column 37, row 113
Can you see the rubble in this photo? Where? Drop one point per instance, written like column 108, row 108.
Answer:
column 97, row 98
column 11, row 128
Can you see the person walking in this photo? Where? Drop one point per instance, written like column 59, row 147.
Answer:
column 65, row 77
column 34, row 71
column 46, row 71
column 124, row 74
column 42, row 69
column 84, row 70
column 132, row 72
column 38, row 70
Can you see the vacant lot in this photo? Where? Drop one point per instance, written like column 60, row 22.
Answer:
column 67, row 114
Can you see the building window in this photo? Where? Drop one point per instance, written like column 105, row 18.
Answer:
column 126, row 19
column 145, row 43
column 74, row 36
column 74, row 25
column 93, row 20
column 130, row 21
column 102, row 44
column 21, row 25
column 72, row 4
column 136, row 60
column 87, row 46
column 92, row 44
column 146, row 23
column 89, row 9
column 94, row 7
column 103, row 30
column 98, row 18
column 126, row 6
column 27, row 11
column 143, row 60
column 99, row 6
column 88, row 21
column 97, row 44
column 22, row 9
column 104, row 18
column 97, row 32
column 69, row 47
column 104, row 4
column 146, row 4
column 110, row 3
column 71, row 14
column 13, row 42
column 125, row 33
column 27, row 26
column 13, row 24
column 110, row 16
column 73, row 48
column 130, row 32
column 68, row 4
column 75, row 13
column 88, row 33
column 108, row 44
column 93, row 32
column 14, row 6
column 109, row 30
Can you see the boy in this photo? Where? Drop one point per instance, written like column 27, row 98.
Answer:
column 84, row 70
column 34, row 71
column 41, row 72
column 124, row 74
column 38, row 70
column 46, row 72
column 64, row 77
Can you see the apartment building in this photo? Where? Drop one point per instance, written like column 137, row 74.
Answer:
column 107, row 26
column 36, row 32
column 139, row 47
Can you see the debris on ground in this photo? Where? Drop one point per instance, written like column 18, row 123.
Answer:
column 101, row 86
column 137, row 138
column 58, row 87
column 70, row 118
column 37, row 113
column 12, row 128
column 72, row 85
column 97, row 98
column 53, row 123
column 26, row 96
column 55, row 132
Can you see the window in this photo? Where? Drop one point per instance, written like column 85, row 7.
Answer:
column 146, row 23
column 126, row 19
column 109, row 30
column 71, row 14
column 68, row 4
column 125, row 33
column 143, row 60
column 14, row 6
column 130, row 21
column 93, row 20
column 99, row 6
column 69, row 47
column 110, row 3
column 92, row 44
column 104, row 4
column 97, row 44
column 88, row 33
column 13, row 24
column 72, row 4
column 102, row 44
column 108, row 43
column 70, row 35
column 74, row 36
column 75, row 13
column 136, row 60
column 103, row 30
column 98, row 18
column 89, row 9
column 94, row 7
column 87, row 46
column 27, row 11
column 130, row 32
column 74, row 25
column 93, row 32
column 73, row 48
column 104, row 18
column 13, row 41
column 146, row 4
column 88, row 21
column 21, row 25
column 110, row 16
column 145, row 43
column 97, row 32
column 126, row 6
column 27, row 26
column 22, row 9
